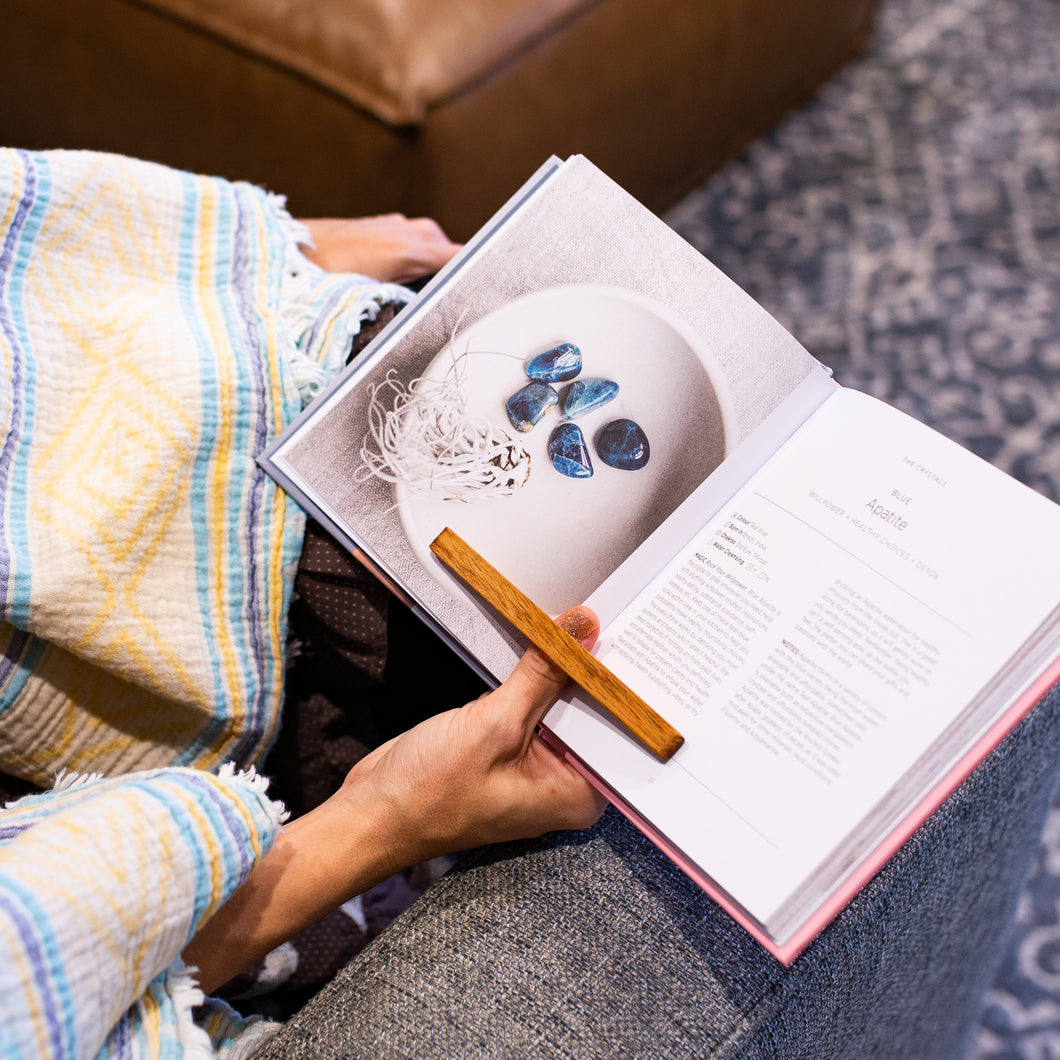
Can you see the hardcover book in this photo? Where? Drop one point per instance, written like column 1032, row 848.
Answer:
column 841, row 610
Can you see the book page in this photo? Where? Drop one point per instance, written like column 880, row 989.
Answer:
column 815, row 637
column 381, row 459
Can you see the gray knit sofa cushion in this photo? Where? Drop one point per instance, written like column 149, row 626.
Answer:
column 592, row 945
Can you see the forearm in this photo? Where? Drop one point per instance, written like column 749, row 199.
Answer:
column 321, row 860
column 462, row 778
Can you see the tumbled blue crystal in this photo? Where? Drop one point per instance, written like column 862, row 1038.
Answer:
column 569, row 453
column 584, row 395
column 527, row 406
column 557, row 365
column 623, row 444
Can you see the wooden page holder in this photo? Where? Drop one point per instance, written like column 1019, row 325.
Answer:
column 584, row 669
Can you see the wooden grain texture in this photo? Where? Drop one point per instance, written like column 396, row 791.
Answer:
column 639, row 719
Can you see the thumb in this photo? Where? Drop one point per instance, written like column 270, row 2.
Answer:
column 536, row 681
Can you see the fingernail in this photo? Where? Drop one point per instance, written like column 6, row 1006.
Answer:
column 581, row 625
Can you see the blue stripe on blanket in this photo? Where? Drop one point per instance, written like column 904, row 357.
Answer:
column 120, row 1041
column 229, row 232
column 255, row 514
column 11, row 332
column 200, row 480
column 212, row 819
column 24, row 227
column 21, row 655
column 38, row 942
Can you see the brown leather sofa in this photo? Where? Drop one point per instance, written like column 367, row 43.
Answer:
column 438, row 107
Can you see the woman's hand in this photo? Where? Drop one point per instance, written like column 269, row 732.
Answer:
column 479, row 774
column 460, row 779
column 391, row 247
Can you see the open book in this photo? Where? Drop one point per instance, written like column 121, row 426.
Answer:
column 841, row 610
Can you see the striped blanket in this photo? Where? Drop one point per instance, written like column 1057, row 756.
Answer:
column 156, row 330
column 102, row 883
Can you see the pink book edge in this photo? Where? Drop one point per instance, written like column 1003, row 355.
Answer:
column 789, row 951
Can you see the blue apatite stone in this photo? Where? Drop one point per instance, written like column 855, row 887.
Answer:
column 623, row 444
column 527, row 406
column 557, row 365
column 568, row 451
column 584, row 395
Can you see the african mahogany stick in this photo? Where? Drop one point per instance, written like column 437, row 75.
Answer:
column 560, row 647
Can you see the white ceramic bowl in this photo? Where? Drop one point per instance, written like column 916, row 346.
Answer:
column 558, row 538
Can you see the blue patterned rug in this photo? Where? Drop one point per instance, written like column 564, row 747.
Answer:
column 905, row 226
